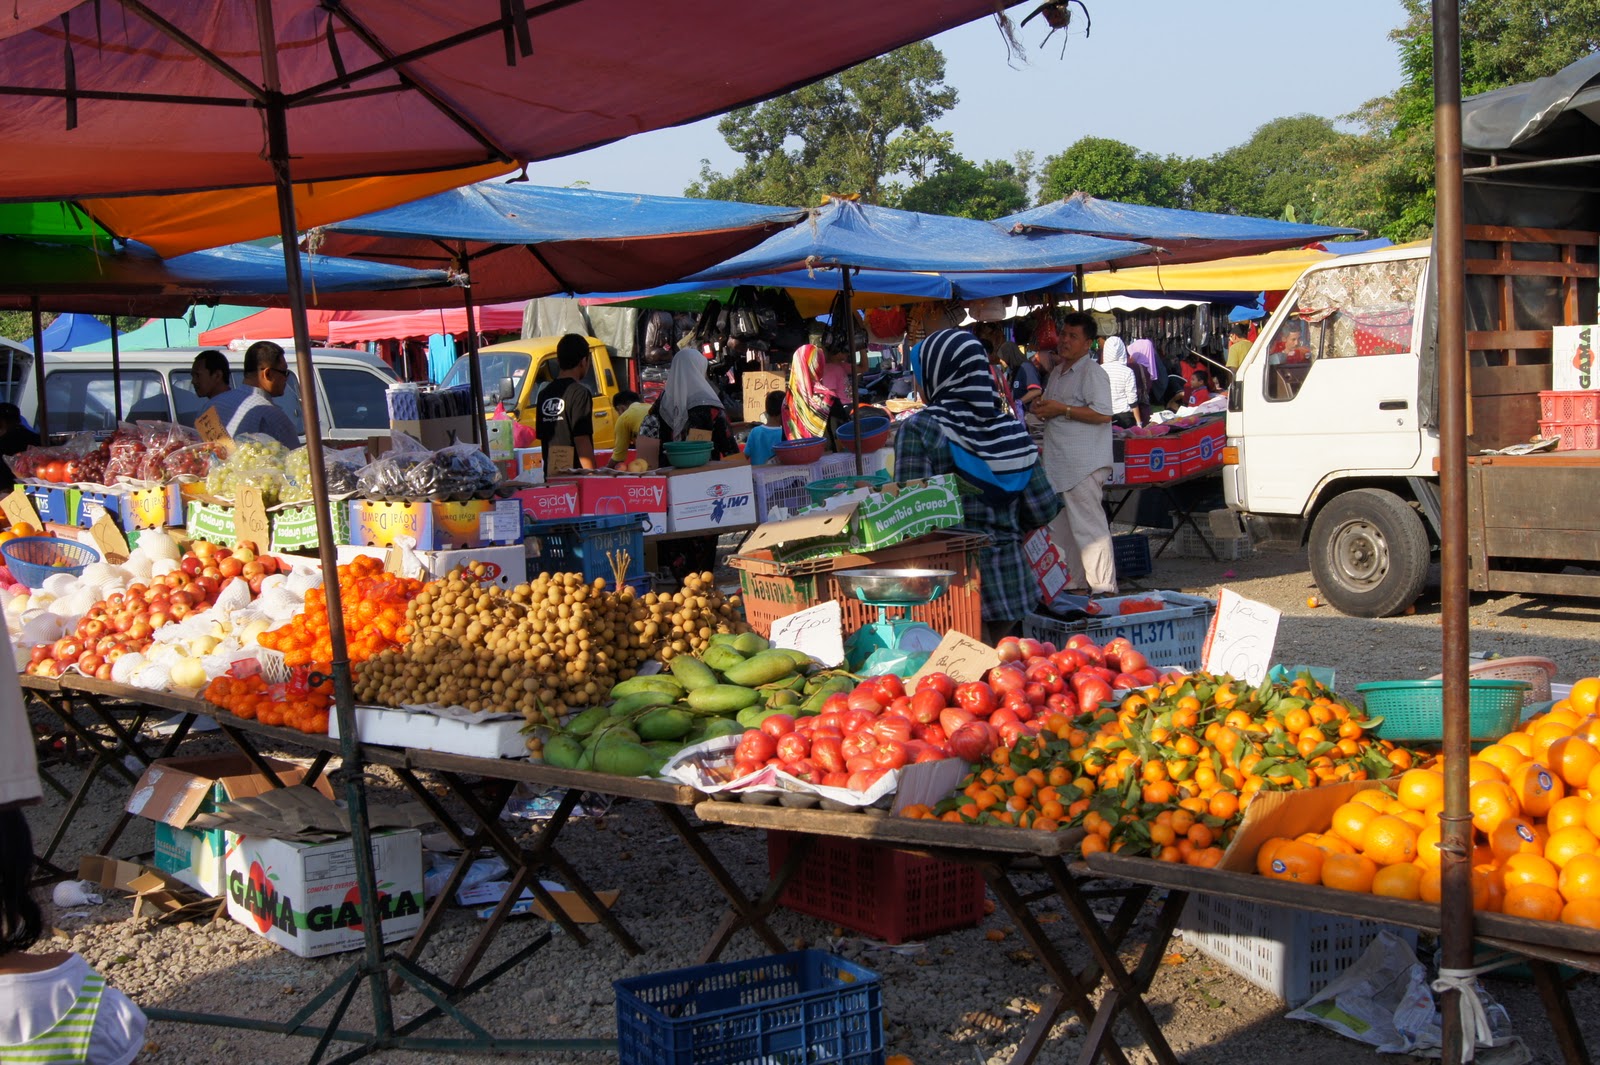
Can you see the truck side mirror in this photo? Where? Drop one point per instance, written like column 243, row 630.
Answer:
column 1236, row 396
column 508, row 389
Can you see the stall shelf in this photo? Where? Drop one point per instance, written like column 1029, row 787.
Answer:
column 1118, row 495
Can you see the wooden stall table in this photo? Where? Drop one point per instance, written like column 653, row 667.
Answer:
column 1117, row 496
column 998, row 854
column 1546, row 944
column 670, row 800
column 104, row 736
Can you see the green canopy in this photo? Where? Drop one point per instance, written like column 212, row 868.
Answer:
column 54, row 221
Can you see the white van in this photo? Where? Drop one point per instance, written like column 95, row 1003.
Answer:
column 156, row 386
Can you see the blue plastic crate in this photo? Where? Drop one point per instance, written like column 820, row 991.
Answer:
column 1131, row 553
column 580, row 545
column 806, row 1006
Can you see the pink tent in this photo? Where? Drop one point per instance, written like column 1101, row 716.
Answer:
column 491, row 318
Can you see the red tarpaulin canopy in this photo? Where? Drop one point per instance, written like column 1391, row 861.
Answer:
column 275, row 324
column 492, row 318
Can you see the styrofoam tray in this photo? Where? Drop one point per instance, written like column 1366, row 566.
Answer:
column 423, row 731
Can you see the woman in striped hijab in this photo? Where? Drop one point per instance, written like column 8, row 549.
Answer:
column 966, row 430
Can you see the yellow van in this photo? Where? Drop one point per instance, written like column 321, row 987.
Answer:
column 514, row 372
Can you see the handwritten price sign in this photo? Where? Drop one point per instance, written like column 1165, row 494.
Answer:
column 959, row 655
column 817, row 630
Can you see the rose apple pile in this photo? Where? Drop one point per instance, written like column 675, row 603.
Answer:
column 126, row 622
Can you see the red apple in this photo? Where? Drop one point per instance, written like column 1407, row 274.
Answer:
column 140, row 630
column 191, row 565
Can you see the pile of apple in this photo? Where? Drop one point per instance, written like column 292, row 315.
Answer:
column 127, row 621
column 877, row 727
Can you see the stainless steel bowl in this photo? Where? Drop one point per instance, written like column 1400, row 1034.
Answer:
column 895, row 587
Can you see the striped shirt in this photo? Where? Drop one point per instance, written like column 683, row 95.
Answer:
column 66, row 1015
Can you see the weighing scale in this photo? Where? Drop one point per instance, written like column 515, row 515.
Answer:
column 902, row 645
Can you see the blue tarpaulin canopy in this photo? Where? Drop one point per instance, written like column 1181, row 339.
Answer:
column 70, row 330
column 844, row 233
column 133, row 279
column 1177, row 236
column 518, row 241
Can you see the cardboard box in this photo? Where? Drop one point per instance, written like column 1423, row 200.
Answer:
column 54, row 504
column 1152, row 460
column 718, row 495
column 756, row 385
column 114, row 502
column 507, row 566
column 156, row 508
column 422, row 731
column 782, row 488
column 1200, row 448
column 862, row 521
column 1572, row 358
column 551, row 502
column 530, row 464
column 436, row 526
column 437, row 433
column 303, row 897
column 294, row 525
column 1050, row 572
column 500, row 437
column 173, row 791
column 604, row 493
column 1286, row 813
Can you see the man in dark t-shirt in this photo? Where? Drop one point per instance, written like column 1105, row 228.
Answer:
column 565, row 407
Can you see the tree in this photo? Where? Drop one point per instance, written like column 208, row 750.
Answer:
column 1111, row 170
column 18, row 325
column 844, row 134
column 1283, row 165
column 969, row 191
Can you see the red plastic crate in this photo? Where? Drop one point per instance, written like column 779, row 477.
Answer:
column 887, row 894
column 1574, row 436
column 1573, row 407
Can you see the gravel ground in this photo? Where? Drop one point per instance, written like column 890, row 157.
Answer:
column 959, row 999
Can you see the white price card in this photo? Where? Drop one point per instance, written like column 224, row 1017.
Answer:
column 817, row 630
column 503, row 524
column 1241, row 638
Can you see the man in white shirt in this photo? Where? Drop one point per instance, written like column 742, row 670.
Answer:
column 249, row 409
column 1076, row 411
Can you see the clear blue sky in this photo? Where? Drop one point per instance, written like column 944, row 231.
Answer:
column 1167, row 76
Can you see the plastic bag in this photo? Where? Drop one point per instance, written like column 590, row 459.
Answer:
column 386, row 476
column 453, row 472
column 124, row 453
column 256, row 461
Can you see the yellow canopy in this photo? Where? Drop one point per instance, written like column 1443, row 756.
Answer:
column 1273, row 271
column 191, row 221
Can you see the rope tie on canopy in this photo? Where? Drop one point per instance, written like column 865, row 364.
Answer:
column 519, row 38
column 1475, row 1028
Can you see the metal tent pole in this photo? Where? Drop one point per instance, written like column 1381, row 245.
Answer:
column 43, row 428
column 116, row 366
column 1455, row 902
column 480, row 428
column 855, row 372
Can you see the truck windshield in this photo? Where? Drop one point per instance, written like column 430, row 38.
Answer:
column 1342, row 313
column 496, row 367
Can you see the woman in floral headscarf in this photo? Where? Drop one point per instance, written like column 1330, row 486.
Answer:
column 819, row 389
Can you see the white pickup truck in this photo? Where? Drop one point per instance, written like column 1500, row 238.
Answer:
column 1330, row 442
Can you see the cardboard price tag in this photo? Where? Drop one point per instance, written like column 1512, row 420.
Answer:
column 960, row 656
column 1241, row 638
column 209, row 426
column 108, row 539
column 250, row 519
column 818, row 631
column 757, row 383
column 19, row 509
column 562, row 458
column 698, row 435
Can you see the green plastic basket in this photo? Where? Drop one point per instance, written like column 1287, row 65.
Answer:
column 825, row 489
column 1414, row 709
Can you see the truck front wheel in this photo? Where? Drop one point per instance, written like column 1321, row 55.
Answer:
column 1369, row 553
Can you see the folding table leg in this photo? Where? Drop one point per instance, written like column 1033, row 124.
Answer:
column 67, row 815
column 1123, row 994
column 1558, row 1009
column 749, row 914
column 1069, row 993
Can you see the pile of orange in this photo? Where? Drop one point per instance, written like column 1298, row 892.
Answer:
column 374, row 604
column 1535, row 804
column 17, row 531
column 297, row 706
column 1012, row 790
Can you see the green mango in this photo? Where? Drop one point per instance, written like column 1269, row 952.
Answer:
column 722, row 639
column 563, row 752
column 586, row 760
column 630, row 704
column 710, row 728
column 752, row 716
column 722, row 658
column 612, row 728
column 665, row 723
column 587, row 721
column 723, row 698
column 749, row 643
column 783, row 698
column 625, row 758
column 692, row 673
column 656, row 682
column 800, row 659
column 664, row 752
column 764, row 668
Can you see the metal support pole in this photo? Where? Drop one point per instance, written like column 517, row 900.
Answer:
column 1077, row 284
column 116, row 366
column 480, row 430
column 344, row 696
column 1455, row 902
column 43, row 428
column 855, row 372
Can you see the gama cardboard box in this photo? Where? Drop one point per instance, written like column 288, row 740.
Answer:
column 718, row 495
column 1201, row 447
column 1152, row 460
column 303, row 897
column 173, row 791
